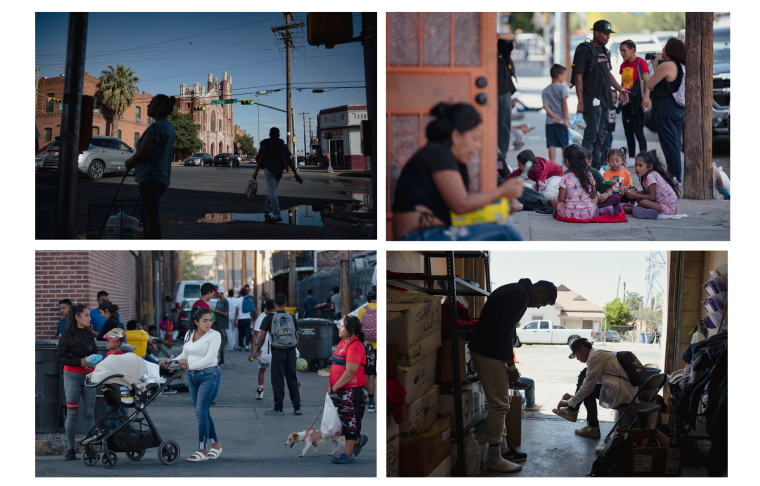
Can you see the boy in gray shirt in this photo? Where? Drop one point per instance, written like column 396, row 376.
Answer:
column 554, row 97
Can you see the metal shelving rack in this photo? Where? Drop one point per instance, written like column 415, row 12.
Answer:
column 455, row 287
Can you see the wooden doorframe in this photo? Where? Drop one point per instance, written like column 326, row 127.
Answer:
column 489, row 111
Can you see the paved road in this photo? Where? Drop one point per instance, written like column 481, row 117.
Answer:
column 214, row 197
column 253, row 443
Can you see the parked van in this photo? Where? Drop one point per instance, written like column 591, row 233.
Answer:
column 185, row 295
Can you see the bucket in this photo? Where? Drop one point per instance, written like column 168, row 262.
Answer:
column 138, row 339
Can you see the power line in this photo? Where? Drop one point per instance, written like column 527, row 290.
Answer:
column 333, row 77
column 172, row 57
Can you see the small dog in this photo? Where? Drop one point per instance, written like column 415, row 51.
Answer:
column 297, row 437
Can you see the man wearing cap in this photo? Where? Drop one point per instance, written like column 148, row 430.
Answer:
column 491, row 351
column 603, row 379
column 592, row 75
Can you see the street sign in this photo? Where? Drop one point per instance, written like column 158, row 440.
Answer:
column 223, row 102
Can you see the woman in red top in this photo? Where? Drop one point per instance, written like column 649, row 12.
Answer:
column 76, row 344
column 348, row 386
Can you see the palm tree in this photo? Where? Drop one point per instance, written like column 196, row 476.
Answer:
column 116, row 89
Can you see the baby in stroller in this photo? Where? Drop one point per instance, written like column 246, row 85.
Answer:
column 119, row 376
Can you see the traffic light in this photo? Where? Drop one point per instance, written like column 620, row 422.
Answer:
column 54, row 100
column 199, row 108
column 248, row 102
column 328, row 135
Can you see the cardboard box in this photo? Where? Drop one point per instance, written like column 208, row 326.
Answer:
column 419, row 415
column 390, row 360
column 513, row 421
column 443, row 470
column 418, row 378
column 414, row 325
column 444, row 357
column 427, row 450
column 652, row 461
column 392, row 462
column 446, row 405
column 391, row 429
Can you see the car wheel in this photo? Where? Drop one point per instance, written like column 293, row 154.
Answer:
column 96, row 170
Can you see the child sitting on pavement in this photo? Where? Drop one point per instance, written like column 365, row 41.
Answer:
column 577, row 197
column 555, row 97
column 660, row 193
column 611, row 195
column 542, row 169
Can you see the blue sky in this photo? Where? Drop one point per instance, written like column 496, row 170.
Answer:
column 594, row 275
column 247, row 52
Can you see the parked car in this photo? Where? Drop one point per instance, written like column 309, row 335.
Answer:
column 105, row 155
column 546, row 332
column 235, row 160
column 721, row 113
column 186, row 294
column 612, row 337
column 224, row 160
column 199, row 159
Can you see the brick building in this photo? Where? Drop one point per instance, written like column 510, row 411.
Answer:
column 79, row 276
column 345, row 144
column 132, row 124
column 217, row 129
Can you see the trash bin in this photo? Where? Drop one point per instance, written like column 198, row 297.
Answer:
column 292, row 310
column 650, row 337
column 138, row 339
column 315, row 341
column 643, row 338
column 47, row 375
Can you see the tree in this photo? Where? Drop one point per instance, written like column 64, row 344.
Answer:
column 189, row 270
column 247, row 145
column 666, row 21
column 634, row 300
column 116, row 88
column 652, row 318
column 617, row 313
column 187, row 140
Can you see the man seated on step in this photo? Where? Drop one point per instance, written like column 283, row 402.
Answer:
column 602, row 379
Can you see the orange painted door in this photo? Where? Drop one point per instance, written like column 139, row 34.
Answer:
column 433, row 58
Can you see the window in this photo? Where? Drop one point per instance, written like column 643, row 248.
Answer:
column 137, row 114
column 588, row 325
column 559, row 326
column 150, row 119
column 544, row 325
column 220, row 125
column 213, row 122
column 96, row 130
column 531, row 325
column 188, row 106
column 124, row 146
column 137, row 137
column 119, row 137
column 48, row 134
column 49, row 107
column 96, row 103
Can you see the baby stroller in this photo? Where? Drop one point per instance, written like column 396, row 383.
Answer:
column 134, row 432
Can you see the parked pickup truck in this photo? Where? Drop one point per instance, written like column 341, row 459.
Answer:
column 545, row 332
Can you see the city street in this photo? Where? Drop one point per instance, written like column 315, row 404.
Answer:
column 254, row 444
column 210, row 202
column 707, row 220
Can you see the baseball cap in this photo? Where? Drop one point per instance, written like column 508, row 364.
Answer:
column 114, row 334
column 603, row 26
column 576, row 345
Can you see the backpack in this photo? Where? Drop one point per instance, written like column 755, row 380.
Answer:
column 680, row 95
column 369, row 354
column 248, row 305
column 283, row 330
column 615, row 458
column 636, row 372
column 591, row 65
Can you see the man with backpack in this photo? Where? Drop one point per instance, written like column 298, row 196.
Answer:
column 283, row 337
column 274, row 156
column 592, row 77
column 244, row 319
column 604, row 379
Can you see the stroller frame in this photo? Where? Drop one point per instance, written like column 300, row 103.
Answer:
column 168, row 451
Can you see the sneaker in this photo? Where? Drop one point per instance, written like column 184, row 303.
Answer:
column 71, row 455
column 534, row 408
column 677, row 181
column 606, row 211
column 644, row 213
column 259, row 393
column 274, row 412
column 169, row 392
column 358, row 446
column 566, row 414
column 342, row 459
column 297, row 411
column 247, row 347
column 518, row 385
column 588, row 431
column 514, row 455
column 371, row 408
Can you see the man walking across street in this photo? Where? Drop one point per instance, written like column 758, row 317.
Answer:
column 265, row 358
column 274, row 156
column 592, row 76
column 283, row 334
column 244, row 319
column 308, row 309
column 491, row 351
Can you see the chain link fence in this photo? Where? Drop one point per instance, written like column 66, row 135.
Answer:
column 321, row 284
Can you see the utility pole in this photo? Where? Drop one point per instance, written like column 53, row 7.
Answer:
column 345, row 283
column 285, row 33
column 697, row 137
column 244, row 267
column 303, row 115
column 292, row 279
column 226, row 269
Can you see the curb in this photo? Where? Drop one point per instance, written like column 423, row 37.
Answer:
column 47, row 448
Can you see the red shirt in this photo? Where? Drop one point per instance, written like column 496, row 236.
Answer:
column 629, row 73
column 351, row 352
column 201, row 303
column 118, row 351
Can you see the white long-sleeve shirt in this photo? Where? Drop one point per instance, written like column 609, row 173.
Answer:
column 202, row 353
column 605, row 369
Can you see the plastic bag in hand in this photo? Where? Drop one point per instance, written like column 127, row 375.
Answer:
column 721, row 183
column 252, row 188
column 577, row 122
column 574, row 137
column 331, row 426
column 550, row 188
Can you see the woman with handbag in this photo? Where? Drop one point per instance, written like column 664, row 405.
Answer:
column 669, row 112
column 634, row 74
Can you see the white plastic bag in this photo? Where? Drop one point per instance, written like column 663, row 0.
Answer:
column 331, row 426
column 550, row 188
column 574, row 137
column 530, row 184
column 577, row 123
column 721, row 183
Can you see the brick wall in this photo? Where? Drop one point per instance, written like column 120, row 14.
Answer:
column 327, row 261
column 79, row 276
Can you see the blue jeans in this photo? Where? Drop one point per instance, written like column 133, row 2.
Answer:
column 668, row 117
column 204, row 386
column 113, row 420
column 529, row 400
column 150, row 194
column 593, row 136
column 506, row 231
column 505, row 122
column 272, row 203
column 607, row 144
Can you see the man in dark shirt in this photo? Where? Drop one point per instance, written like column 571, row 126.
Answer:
column 64, row 305
column 505, row 45
column 593, row 77
column 491, row 351
column 283, row 361
column 273, row 156
column 308, row 309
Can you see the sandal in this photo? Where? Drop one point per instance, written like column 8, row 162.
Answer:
column 214, row 453
column 197, row 457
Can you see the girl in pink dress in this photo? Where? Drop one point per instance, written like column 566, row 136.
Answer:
column 576, row 188
column 660, row 194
